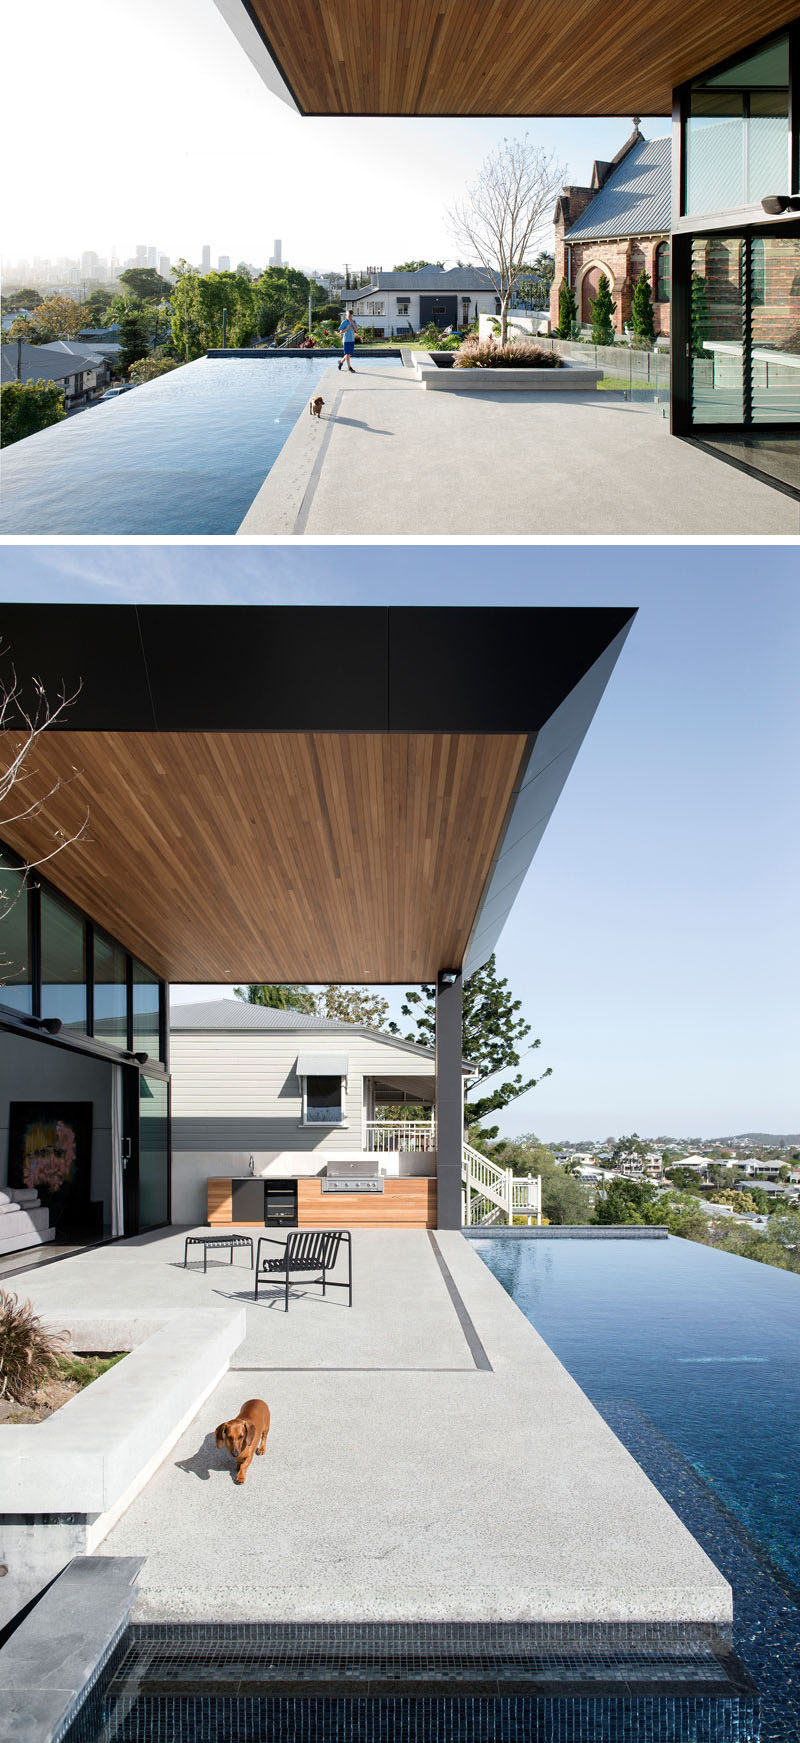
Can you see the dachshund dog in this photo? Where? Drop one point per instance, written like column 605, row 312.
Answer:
column 242, row 1432
column 315, row 406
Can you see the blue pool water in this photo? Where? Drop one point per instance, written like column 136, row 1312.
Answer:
column 184, row 454
column 706, row 1344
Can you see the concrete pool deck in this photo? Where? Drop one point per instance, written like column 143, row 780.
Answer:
column 429, row 1457
column 389, row 458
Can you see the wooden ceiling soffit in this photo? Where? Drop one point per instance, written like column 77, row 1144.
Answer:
column 492, row 57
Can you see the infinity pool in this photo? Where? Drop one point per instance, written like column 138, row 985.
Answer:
column 705, row 1343
column 184, row 454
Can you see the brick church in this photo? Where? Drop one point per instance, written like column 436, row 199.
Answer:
column 619, row 225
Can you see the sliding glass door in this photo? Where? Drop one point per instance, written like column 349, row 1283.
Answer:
column 153, row 1152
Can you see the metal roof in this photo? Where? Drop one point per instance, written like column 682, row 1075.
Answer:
column 235, row 1016
column 41, row 363
column 428, row 278
column 636, row 199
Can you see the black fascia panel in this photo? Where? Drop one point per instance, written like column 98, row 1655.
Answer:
column 283, row 668
column 94, row 650
column 491, row 668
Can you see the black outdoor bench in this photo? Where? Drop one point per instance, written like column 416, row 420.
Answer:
column 306, row 1250
column 206, row 1241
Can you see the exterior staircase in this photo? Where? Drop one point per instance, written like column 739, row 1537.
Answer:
column 497, row 1195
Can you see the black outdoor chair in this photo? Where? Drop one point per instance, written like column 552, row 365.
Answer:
column 306, row 1250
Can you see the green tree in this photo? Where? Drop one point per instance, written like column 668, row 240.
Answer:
column 25, row 298
column 57, row 318
column 353, row 1004
column 493, row 1033
column 277, row 997
column 417, row 265
column 565, row 1199
column 186, row 313
column 145, row 285
column 28, row 406
column 96, row 308
column 633, row 1149
column 625, row 1201
column 642, row 319
column 149, row 368
column 134, row 334
column 567, row 310
column 603, row 307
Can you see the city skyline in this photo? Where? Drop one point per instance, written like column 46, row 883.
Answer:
column 229, row 161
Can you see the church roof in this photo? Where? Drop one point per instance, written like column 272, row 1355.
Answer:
column 635, row 200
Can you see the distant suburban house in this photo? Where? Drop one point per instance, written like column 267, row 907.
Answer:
column 74, row 372
column 101, row 357
column 402, row 302
column 619, row 226
column 303, row 1095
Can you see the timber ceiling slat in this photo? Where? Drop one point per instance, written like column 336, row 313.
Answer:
column 220, row 857
column 503, row 57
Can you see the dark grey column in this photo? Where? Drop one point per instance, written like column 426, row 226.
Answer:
column 449, row 1099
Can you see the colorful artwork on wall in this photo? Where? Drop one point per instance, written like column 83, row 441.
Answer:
column 50, row 1151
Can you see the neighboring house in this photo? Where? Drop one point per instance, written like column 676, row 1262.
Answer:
column 74, row 372
column 301, row 1094
column 619, row 226
column 101, row 357
column 402, row 302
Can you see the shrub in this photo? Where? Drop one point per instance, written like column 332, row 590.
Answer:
column 28, row 406
column 28, row 1350
column 642, row 318
column 484, row 354
column 567, row 310
column 603, row 308
column 149, row 368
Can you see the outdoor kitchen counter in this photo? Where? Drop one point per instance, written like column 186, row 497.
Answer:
column 408, row 1203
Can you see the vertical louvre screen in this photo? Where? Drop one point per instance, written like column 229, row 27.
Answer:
column 775, row 329
column 717, row 326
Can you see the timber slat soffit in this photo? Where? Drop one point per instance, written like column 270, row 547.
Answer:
column 303, row 794
column 498, row 57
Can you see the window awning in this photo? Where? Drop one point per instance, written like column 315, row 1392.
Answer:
column 322, row 1064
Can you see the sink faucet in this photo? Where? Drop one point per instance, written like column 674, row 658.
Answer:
column 252, row 1166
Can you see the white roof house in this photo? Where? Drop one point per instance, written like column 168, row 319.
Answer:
column 301, row 1094
column 395, row 303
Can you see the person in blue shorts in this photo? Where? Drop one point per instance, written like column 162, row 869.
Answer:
column 348, row 330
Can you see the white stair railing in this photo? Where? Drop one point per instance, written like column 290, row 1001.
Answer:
column 493, row 1194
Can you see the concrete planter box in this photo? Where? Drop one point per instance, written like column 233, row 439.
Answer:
column 572, row 377
column 64, row 1482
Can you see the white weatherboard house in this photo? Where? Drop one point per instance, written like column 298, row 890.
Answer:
column 402, row 302
column 300, row 1094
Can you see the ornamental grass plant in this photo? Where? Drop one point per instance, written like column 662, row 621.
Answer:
column 29, row 1351
column 518, row 354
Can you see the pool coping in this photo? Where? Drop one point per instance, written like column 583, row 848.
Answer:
column 56, row 1655
column 569, row 1231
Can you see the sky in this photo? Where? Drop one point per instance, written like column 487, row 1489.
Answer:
column 656, row 941
column 160, row 131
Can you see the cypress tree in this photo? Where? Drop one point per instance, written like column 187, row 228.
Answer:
column 567, row 310
column 642, row 309
column 603, row 307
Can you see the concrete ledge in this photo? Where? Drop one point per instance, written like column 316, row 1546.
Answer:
column 55, row 1656
column 268, row 353
column 85, row 1457
column 571, row 1232
column 572, row 376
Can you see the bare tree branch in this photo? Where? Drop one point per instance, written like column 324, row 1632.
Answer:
column 504, row 210
column 21, row 727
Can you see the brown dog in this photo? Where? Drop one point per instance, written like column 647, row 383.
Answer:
column 242, row 1432
column 315, row 406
